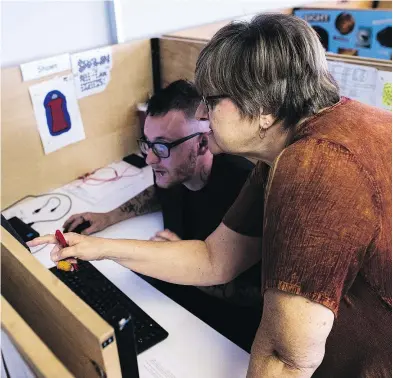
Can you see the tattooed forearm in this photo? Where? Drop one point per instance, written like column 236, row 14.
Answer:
column 143, row 203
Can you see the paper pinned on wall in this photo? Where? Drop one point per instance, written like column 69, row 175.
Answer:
column 57, row 113
column 384, row 90
column 356, row 82
column 45, row 67
column 92, row 71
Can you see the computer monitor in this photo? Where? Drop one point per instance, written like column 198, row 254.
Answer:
column 73, row 331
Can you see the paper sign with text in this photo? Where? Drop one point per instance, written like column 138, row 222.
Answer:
column 92, row 71
column 45, row 67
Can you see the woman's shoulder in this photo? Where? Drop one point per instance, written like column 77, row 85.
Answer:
column 310, row 160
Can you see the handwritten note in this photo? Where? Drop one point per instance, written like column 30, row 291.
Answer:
column 92, row 71
column 356, row 82
column 45, row 67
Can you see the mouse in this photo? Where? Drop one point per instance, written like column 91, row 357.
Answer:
column 78, row 229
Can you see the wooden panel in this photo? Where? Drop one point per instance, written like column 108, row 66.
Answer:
column 179, row 56
column 32, row 349
column 202, row 33
column 380, row 64
column 109, row 118
column 67, row 325
column 340, row 4
column 384, row 4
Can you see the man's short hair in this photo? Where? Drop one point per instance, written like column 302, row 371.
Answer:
column 179, row 95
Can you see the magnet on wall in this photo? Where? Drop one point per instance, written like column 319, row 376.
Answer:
column 57, row 116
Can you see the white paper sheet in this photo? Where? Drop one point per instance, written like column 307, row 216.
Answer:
column 384, row 90
column 356, row 82
column 93, row 191
column 45, row 67
column 57, row 113
column 92, row 71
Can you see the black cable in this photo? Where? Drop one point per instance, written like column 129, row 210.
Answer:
column 7, row 373
column 54, row 220
column 47, row 202
column 36, row 196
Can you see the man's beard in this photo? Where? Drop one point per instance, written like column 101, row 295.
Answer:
column 186, row 170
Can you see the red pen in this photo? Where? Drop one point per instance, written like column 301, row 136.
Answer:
column 61, row 239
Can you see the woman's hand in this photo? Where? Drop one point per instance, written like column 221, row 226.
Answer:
column 80, row 246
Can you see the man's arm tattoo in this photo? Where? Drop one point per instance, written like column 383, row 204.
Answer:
column 143, row 203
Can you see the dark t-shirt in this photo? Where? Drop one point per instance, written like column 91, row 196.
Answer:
column 194, row 215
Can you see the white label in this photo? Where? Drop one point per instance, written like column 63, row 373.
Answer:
column 45, row 67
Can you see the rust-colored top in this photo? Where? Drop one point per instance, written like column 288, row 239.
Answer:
column 327, row 230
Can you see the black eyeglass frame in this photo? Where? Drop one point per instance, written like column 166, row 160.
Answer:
column 169, row 145
column 206, row 99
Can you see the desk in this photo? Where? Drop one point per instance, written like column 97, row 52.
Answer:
column 193, row 349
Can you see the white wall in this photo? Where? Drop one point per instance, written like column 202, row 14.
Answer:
column 33, row 30
column 152, row 18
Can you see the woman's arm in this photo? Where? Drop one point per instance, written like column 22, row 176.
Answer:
column 291, row 338
column 224, row 255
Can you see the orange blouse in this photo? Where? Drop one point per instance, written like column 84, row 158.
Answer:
column 324, row 209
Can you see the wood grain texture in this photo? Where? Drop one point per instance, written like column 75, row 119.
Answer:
column 179, row 56
column 31, row 348
column 109, row 118
column 66, row 324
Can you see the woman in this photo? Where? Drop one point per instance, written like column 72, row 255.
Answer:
column 321, row 195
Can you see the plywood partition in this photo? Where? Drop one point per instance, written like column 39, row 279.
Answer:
column 31, row 348
column 179, row 53
column 178, row 58
column 67, row 325
column 109, row 118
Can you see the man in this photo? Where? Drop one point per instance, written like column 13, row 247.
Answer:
column 194, row 191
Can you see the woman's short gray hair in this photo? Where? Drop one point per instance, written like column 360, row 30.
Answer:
column 275, row 64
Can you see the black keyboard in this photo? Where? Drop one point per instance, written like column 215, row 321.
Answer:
column 105, row 298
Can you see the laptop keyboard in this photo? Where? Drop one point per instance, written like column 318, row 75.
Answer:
column 103, row 297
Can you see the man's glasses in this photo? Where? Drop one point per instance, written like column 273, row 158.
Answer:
column 162, row 149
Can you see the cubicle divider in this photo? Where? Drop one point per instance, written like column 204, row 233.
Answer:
column 179, row 53
column 73, row 331
column 109, row 118
column 31, row 350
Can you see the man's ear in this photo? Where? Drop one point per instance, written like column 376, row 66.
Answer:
column 203, row 144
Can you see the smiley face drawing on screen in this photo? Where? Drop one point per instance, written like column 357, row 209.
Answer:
column 57, row 116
